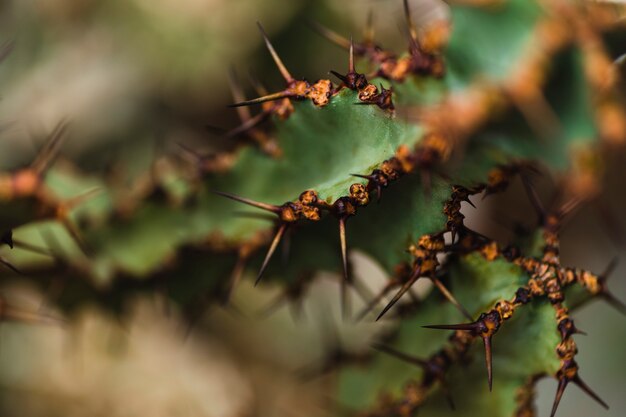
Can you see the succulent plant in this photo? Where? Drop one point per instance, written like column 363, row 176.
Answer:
column 380, row 160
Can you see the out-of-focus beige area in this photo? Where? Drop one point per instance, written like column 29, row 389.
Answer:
column 125, row 71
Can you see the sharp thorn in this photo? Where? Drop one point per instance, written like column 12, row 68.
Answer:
column 614, row 302
column 344, row 254
column 581, row 384
column 247, row 125
column 534, row 198
column 462, row 326
column 448, row 295
column 411, row 26
column 609, row 268
column 270, row 252
column 559, row 393
column 331, row 35
column 367, row 177
column 50, row 150
column 238, row 96
column 374, row 302
column 400, row 355
column 351, row 57
column 263, row 99
column 341, row 77
column 488, row 360
column 268, row 207
column 405, row 287
column 76, row 235
column 344, row 299
column 277, row 60
column 10, row 266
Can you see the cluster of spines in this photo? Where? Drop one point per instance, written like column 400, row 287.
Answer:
column 310, row 206
column 422, row 60
column 547, row 278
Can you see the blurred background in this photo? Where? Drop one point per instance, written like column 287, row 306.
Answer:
column 133, row 72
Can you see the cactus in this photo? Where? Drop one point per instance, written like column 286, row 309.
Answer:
column 381, row 162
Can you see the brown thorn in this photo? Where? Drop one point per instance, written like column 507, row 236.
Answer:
column 342, row 241
column 331, row 35
column 277, row 60
column 568, row 207
column 9, row 265
column 50, row 150
column 374, row 302
column 238, row 96
column 270, row 252
column 609, row 268
column 488, row 360
column 254, row 215
column 581, row 384
column 351, row 57
column 344, row 259
column 343, row 296
column 264, row 206
column 76, row 235
column 559, row 393
column 75, row 201
column 401, row 292
column 367, row 177
column 462, row 326
column 534, row 198
column 247, row 125
column 411, row 26
column 258, row 100
column 448, row 295
column 340, row 76
column 400, row 355
column 614, row 302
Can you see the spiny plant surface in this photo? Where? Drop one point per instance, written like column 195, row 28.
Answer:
column 380, row 162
